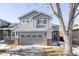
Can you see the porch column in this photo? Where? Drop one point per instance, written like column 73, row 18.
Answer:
column 15, row 35
column 3, row 35
column 16, row 39
column 11, row 34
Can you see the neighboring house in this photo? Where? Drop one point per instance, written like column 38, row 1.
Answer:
column 8, row 31
column 3, row 28
column 75, row 39
column 76, row 35
column 36, row 28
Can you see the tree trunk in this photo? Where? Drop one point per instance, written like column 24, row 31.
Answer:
column 67, row 39
column 68, row 47
column 72, row 12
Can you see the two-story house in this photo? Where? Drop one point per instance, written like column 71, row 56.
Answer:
column 34, row 28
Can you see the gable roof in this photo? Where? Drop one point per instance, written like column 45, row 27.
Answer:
column 37, row 13
column 4, row 21
column 4, row 25
column 12, row 25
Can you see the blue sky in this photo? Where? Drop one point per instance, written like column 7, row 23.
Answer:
column 11, row 11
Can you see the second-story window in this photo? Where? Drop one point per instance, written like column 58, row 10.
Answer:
column 41, row 21
column 27, row 21
column 44, row 21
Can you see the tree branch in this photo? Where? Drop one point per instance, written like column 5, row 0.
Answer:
column 76, row 14
column 55, row 13
column 75, row 8
column 72, row 16
column 59, row 11
column 72, row 12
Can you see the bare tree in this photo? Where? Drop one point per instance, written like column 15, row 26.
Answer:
column 72, row 16
column 66, row 35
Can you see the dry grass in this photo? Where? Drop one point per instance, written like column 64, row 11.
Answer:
column 59, row 51
column 12, row 46
column 2, row 51
column 10, row 41
column 7, row 47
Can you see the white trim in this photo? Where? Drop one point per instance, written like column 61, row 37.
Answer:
column 15, row 35
column 6, row 28
column 11, row 34
column 39, row 12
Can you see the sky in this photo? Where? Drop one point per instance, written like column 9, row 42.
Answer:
column 11, row 11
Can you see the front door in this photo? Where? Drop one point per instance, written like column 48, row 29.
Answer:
column 54, row 36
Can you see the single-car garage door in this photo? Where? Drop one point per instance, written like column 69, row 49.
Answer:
column 31, row 38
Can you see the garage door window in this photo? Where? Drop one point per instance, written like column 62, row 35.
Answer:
column 28, row 35
column 45, row 34
column 22, row 35
column 39, row 36
column 33, row 36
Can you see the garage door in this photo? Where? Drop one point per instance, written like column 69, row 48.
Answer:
column 31, row 38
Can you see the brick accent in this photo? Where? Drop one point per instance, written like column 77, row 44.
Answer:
column 49, row 42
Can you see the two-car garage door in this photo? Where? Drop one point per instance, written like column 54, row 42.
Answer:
column 31, row 38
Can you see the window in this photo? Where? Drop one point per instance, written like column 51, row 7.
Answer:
column 28, row 35
column 22, row 35
column 41, row 21
column 39, row 36
column 45, row 34
column 9, row 32
column 6, row 33
column 54, row 36
column 33, row 36
column 27, row 21
column 38, row 21
column 44, row 21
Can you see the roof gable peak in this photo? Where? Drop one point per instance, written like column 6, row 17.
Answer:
column 36, row 13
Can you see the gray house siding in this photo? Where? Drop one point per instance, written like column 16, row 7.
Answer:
column 76, row 37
